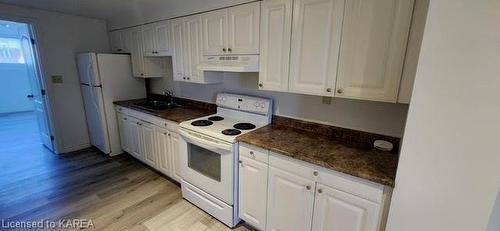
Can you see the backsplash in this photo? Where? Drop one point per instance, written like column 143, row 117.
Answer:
column 374, row 117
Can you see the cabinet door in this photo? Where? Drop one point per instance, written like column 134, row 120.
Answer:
column 290, row 201
column 162, row 38
column 133, row 130
column 193, row 47
column 116, row 42
column 315, row 44
column 175, row 142
column 276, row 26
column 373, row 48
column 148, row 40
column 243, row 28
column 337, row 210
column 122, row 132
column 253, row 192
column 162, row 149
column 178, row 51
column 136, row 53
column 147, row 144
column 215, row 32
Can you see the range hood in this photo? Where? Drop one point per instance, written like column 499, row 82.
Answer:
column 230, row 63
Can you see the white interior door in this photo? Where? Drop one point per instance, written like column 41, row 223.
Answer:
column 38, row 98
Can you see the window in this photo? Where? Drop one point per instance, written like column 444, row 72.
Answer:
column 11, row 51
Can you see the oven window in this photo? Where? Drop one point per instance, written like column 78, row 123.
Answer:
column 204, row 161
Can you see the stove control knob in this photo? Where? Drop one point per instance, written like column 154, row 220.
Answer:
column 256, row 104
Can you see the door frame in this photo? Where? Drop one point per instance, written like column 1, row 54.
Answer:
column 39, row 70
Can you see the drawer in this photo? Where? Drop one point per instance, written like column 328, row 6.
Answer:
column 254, row 153
column 160, row 122
column 297, row 167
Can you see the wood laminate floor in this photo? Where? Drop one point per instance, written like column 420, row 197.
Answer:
column 117, row 193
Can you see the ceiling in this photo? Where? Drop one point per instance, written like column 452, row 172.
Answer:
column 124, row 13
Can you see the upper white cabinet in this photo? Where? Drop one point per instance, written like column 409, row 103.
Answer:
column 275, row 35
column 215, row 32
column 117, row 39
column 337, row 210
column 234, row 30
column 243, row 29
column 156, row 39
column 177, row 49
column 316, row 31
column 187, row 48
column 342, row 48
column 143, row 66
column 373, row 48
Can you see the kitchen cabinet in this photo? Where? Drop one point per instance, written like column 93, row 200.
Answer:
column 290, row 201
column 234, row 30
column 143, row 66
column 151, row 140
column 215, row 32
column 253, row 192
column 147, row 143
column 192, row 48
column 275, row 36
column 162, row 150
column 316, row 31
column 186, row 52
column 175, row 142
column 374, row 38
column 118, row 41
column 156, row 39
column 337, row 210
column 302, row 196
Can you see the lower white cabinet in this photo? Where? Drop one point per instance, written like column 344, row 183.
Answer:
column 253, row 192
column 154, row 145
column 290, row 204
column 337, row 210
column 280, row 193
column 147, row 143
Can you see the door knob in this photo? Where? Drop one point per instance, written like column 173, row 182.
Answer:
column 30, row 96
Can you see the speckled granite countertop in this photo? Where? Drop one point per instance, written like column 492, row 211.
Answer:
column 179, row 114
column 325, row 151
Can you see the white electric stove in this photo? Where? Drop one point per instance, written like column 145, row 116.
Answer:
column 209, row 153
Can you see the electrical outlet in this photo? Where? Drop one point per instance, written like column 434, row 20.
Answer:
column 326, row 100
column 57, row 79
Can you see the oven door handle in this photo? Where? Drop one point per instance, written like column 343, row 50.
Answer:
column 211, row 144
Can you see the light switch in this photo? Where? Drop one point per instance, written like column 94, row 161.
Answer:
column 57, row 79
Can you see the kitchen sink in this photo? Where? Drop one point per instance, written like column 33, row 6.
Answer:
column 155, row 105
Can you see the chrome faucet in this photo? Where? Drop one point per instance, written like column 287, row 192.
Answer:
column 170, row 96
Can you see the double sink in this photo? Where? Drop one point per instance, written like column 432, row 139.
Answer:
column 155, row 105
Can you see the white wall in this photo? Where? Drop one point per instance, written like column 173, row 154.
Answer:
column 449, row 169
column 156, row 10
column 381, row 118
column 60, row 37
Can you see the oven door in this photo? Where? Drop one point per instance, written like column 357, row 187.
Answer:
column 207, row 163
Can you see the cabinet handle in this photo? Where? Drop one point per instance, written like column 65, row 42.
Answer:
column 340, row 91
column 229, row 49
column 119, row 50
column 124, row 118
column 320, row 190
column 315, row 173
column 261, row 85
column 183, row 77
column 328, row 90
column 187, row 78
column 224, row 49
column 138, row 123
column 308, row 187
column 168, row 134
column 241, row 163
column 251, row 153
column 142, row 74
column 165, row 133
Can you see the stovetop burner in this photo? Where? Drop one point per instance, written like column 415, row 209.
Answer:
column 201, row 123
column 244, row 126
column 231, row 132
column 215, row 118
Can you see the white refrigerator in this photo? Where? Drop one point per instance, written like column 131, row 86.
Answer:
column 105, row 78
